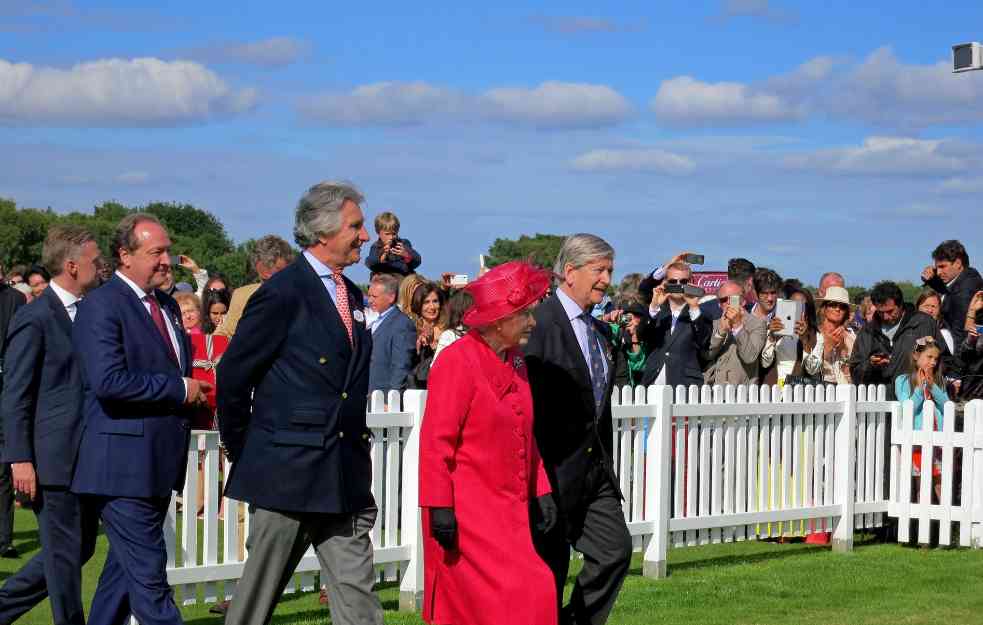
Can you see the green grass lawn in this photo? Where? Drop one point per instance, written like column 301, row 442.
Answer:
column 742, row 583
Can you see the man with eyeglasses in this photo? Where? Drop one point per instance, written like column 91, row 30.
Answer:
column 883, row 347
column 678, row 332
column 736, row 342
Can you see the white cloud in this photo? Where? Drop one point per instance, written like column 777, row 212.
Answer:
column 117, row 92
column 762, row 9
column 133, row 177
column 550, row 105
column 383, row 104
column 643, row 160
column 558, row 104
column 961, row 185
column 578, row 25
column 268, row 53
column 886, row 156
column 880, row 91
column 685, row 101
column 915, row 210
column 884, row 91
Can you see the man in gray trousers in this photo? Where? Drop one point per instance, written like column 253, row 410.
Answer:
column 291, row 410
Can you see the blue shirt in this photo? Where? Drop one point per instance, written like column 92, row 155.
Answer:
column 324, row 273
column 580, row 328
column 903, row 391
column 378, row 320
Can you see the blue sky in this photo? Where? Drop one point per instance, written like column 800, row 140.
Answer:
column 805, row 136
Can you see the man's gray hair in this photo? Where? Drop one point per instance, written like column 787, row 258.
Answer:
column 388, row 282
column 319, row 211
column 268, row 250
column 580, row 249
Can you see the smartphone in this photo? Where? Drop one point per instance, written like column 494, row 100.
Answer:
column 459, row 279
column 693, row 291
column 694, row 259
column 175, row 259
column 674, row 288
column 979, row 329
column 734, row 301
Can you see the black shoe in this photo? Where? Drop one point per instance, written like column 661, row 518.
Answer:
column 220, row 608
column 9, row 552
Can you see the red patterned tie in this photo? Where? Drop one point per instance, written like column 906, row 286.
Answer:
column 341, row 295
column 158, row 318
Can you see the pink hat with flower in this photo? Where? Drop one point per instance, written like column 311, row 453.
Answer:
column 505, row 290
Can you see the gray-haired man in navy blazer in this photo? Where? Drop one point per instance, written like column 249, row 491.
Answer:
column 42, row 425
column 291, row 410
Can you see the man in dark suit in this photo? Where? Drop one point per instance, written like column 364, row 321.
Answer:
column 41, row 409
column 677, row 334
column 136, row 371
column 393, row 337
column 957, row 283
column 571, row 373
column 10, row 301
column 291, row 410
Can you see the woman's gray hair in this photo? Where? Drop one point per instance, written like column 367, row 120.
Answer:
column 580, row 249
column 319, row 211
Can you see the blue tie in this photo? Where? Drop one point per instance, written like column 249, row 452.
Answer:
column 598, row 381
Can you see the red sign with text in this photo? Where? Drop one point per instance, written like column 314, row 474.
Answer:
column 709, row 281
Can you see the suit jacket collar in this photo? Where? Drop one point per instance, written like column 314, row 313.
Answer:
column 666, row 312
column 58, row 309
column 129, row 294
column 326, row 311
column 572, row 346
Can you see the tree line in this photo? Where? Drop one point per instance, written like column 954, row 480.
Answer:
column 193, row 231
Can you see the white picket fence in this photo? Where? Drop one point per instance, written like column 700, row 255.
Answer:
column 962, row 473
column 698, row 465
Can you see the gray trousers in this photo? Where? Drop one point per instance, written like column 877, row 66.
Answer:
column 277, row 542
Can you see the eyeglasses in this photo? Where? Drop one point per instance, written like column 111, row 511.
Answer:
column 683, row 281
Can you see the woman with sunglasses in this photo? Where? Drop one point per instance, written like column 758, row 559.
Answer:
column 829, row 357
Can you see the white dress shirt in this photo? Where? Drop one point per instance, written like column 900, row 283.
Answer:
column 68, row 300
column 580, row 329
column 168, row 322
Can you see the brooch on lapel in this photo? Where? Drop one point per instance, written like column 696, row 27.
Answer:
column 358, row 315
column 518, row 362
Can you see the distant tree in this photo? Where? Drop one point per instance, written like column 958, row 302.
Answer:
column 541, row 249
column 194, row 232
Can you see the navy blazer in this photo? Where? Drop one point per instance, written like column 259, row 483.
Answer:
column 135, row 425
column 42, row 398
column 679, row 351
column 571, row 435
column 393, row 352
column 292, row 398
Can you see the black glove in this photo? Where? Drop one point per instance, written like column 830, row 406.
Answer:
column 547, row 513
column 443, row 527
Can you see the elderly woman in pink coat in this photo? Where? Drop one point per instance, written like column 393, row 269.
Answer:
column 481, row 477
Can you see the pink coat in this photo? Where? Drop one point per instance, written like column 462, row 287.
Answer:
column 478, row 456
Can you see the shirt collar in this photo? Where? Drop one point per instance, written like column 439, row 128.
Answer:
column 67, row 299
column 383, row 315
column 573, row 310
column 320, row 268
column 130, row 283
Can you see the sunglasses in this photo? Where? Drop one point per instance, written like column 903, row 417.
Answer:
column 923, row 343
column 683, row 281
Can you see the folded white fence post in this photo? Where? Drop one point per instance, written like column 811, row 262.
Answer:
column 844, row 479
column 411, row 532
column 659, row 466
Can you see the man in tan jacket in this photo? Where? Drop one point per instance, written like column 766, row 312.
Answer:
column 269, row 255
column 736, row 343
